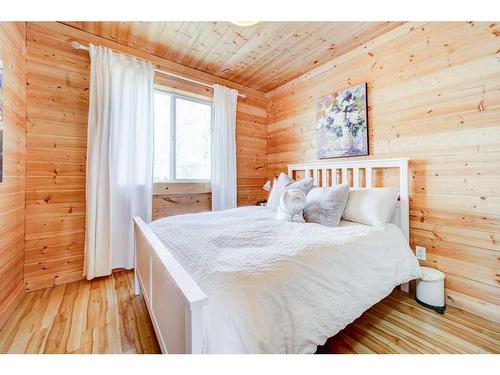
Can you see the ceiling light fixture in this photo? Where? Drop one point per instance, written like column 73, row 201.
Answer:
column 244, row 23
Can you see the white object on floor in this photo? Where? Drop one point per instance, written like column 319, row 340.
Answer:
column 119, row 158
column 224, row 149
column 280, row 287
column 430, row 289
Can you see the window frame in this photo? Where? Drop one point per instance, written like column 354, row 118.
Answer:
column 173, row 155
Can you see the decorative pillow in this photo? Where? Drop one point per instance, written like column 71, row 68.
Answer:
column 371, row 206
column 291, row 206
column 303, row 185
column 279, row 186
column 326, row 205
column 283, row 183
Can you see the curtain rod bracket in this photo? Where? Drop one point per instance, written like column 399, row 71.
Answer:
column 78, row 45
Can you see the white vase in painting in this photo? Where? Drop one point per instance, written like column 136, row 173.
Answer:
column 346, row 140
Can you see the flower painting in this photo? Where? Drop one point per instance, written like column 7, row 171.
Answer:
column 342, row 128
column 1, row 120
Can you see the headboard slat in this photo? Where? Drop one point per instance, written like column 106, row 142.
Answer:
column 368, row 166
column 316, row 176
column 345, row 176
column 368, row 177
column 355, row 177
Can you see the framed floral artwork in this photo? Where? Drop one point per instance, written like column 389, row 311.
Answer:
column 342, row 126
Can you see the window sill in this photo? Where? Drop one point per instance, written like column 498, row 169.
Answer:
column 183, row 182
column 182, row 187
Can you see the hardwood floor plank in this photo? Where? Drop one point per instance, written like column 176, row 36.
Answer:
column 449, row 343
column 482, row 340
column 79, row 317
column 60, row 329
column 9, row 331
column 104, row 316
column 391, row 339
column 388, row 325
column 416, row 329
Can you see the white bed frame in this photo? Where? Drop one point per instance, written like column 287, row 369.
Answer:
column 174, row 300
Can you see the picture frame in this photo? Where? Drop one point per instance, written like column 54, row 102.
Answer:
column 342, row 123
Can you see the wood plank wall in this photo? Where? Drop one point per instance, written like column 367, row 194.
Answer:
column 58, row 83
column 12, row 201
column 434, row 96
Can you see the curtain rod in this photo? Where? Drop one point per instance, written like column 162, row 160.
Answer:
column 78, row 45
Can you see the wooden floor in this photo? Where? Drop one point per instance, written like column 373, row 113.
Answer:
column 103, row 316
column 398, row 324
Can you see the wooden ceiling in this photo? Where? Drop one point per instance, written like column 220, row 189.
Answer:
column 263, row 56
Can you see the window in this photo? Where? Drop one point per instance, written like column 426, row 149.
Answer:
column 182, row 137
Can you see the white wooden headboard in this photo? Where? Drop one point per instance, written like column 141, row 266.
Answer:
column 330, row 173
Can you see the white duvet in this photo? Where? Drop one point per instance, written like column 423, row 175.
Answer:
column 283, row 287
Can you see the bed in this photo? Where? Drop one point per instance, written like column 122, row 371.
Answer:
column 241, row 281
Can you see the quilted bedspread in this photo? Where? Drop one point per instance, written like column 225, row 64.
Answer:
column 283, row 287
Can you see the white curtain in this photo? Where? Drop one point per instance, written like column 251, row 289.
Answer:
column 224, row 149
column 119, row 158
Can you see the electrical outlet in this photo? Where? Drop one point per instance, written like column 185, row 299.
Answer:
column 420, row 253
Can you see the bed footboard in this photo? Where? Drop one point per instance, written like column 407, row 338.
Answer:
column 174, row 300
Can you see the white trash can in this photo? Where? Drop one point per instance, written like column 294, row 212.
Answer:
column 430, row 289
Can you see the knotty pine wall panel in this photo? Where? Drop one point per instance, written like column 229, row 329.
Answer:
column 58, row 84
column 12, row 201
column 433, row 96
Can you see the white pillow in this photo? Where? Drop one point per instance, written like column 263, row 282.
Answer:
column 283, row 183
column 291, row 206
column 374, row 206
column 279, row 186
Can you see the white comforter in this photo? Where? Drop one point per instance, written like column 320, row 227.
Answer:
column 282, row 287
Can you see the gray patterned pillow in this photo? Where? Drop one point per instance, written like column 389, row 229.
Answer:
column 325, row 206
